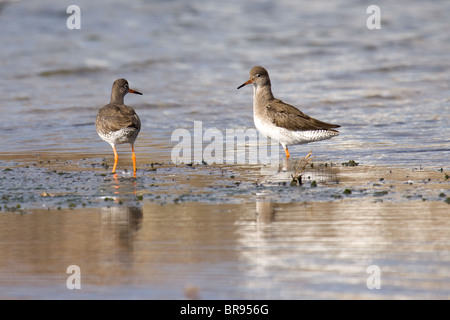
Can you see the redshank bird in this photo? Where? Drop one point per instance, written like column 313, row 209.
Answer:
column 281, row 121
column 117, row 123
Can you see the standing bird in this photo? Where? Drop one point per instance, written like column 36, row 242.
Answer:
column 281, row 121
column 117, row 123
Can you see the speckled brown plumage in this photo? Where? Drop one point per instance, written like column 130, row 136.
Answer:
column 281, row 121
column 117, row 123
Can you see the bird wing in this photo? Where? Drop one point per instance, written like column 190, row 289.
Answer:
column 113, row 118
column 289, row 117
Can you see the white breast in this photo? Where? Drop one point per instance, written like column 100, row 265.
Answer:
column 288, row 137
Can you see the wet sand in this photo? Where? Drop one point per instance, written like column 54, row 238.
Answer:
column 57, row 181
column 221, row 232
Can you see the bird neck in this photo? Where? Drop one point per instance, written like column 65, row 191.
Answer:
column 262, row 93
column 116, row 98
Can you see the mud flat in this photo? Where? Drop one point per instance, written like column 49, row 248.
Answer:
column 208, row 231
column 56, row 182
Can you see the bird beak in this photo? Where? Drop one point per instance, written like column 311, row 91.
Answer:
column 245, row 83
column 134, row 91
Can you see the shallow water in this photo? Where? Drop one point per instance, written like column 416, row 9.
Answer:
column 259, row 250
column 388, row 88
column 195, row 231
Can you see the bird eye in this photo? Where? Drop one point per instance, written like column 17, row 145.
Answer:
column 258, row 75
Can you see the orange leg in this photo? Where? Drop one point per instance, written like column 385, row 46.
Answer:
column 287, row 152
column 116, row 158
column 133, row 157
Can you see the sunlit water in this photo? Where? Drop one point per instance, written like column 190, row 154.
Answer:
column 387, row 88
column 254, row 251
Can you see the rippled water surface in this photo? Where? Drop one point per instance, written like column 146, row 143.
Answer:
column 206, row 230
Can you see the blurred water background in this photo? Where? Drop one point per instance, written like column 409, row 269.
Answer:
column 232, row 232
column 388, row 88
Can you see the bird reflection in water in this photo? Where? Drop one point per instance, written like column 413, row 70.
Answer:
column 123, row 218
column 265, row 212
column 122, row 187
column 121, row 223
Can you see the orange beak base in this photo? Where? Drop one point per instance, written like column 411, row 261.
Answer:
column 134, row 91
